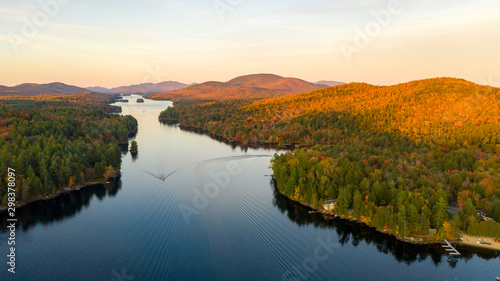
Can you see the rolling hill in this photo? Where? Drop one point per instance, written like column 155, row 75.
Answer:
column 432, row 108
column 219, row 90
column 243, row 87
column 37, row 89
column 273, row 82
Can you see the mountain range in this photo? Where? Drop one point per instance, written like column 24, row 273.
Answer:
column 247, row 86
column 145, row 88
column 329, row 83
column 37, row 89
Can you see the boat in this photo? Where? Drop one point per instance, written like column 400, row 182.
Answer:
column 498, row 278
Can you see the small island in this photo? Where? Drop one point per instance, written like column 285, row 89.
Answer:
column 133, row 147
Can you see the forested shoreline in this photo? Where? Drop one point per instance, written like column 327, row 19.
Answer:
column 59, row 145
column 392, row 157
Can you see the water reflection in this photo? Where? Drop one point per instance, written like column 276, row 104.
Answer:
column 64, row 206
column 135, row 156
column 354, row 233
column 234, row 144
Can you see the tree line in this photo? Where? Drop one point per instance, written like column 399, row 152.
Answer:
column 57, row 144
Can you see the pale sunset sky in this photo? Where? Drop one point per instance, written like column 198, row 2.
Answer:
column 116, row 43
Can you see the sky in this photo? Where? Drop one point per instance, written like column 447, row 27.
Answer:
column 117, row 43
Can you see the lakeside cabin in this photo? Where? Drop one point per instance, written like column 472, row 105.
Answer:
column 329, row 204
column 453, row 208
column 483, row 215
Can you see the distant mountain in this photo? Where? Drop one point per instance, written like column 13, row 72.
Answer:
column 219, row 90
column 36, row 89
column 274, row 82
column 100, row 90
column 329, row 83
column 254, row 80
column 248, row 86
column 145, row 88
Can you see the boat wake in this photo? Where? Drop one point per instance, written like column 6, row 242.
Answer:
column 163, row 176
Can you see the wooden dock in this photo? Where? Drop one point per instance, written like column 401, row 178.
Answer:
column 450, row 248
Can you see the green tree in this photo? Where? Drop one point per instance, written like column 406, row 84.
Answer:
column 358, row 204
column 133, row 146
column 440, row 211
column 402, row 222
column 473, row 228
column 343, row 201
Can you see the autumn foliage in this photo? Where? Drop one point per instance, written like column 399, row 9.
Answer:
column 394, row 156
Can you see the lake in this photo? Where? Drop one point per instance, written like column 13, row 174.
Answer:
column 189, row 207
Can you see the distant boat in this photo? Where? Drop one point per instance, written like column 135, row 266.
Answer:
column 140, row 100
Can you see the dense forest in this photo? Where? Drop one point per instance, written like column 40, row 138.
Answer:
column 59, row 144
column 393, row 157
column 77, row 97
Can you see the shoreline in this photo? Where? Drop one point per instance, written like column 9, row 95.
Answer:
column 250, row 144
column 352, row 219
column 466, row 241
column 58, row 193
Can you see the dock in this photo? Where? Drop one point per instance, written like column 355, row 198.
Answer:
column 450, row 248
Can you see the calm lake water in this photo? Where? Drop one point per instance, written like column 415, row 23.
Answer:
column 189, row 207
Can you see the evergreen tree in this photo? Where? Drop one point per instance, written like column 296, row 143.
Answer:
column 440, row 211
column 358, row 205
column 133, row 146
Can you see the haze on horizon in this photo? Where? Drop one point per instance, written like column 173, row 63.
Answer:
column 96, row 43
